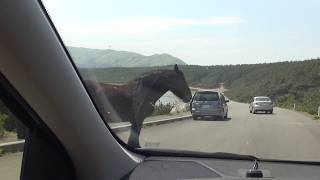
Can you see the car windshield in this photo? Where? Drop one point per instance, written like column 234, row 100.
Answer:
column 262, row 99
column 206, row 96
column 183, row 75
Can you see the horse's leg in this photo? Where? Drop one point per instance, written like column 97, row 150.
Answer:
column 134, row 135
column 136, row 123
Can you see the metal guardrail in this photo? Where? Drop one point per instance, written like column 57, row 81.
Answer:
column 17, row 146
column 14, row 146
column 150, row 123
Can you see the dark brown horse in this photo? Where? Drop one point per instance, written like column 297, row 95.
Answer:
column 134, row 101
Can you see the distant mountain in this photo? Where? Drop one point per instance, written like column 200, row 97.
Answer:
column 93, row 58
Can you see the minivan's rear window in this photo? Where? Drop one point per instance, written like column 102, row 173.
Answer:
column 206, row 96
column 263, row 99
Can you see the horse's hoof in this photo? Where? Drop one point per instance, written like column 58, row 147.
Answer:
column 134, row 145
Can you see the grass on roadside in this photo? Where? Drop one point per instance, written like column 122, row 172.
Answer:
column 3, row 118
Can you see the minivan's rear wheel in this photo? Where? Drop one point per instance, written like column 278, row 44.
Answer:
column 194, row 117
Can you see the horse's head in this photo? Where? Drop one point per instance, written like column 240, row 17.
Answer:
column 178, row 85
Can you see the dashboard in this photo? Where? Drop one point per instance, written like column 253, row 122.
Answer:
column 203, row 168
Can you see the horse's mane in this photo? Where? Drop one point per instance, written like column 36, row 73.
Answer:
column 153, row 74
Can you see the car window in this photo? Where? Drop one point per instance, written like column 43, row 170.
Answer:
column 154, row 70
column 12, row 135
column 206, row 96
column 263, row 99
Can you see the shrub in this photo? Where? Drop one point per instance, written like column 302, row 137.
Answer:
column 10, row 123
column 21, row 130
column 161, row 109
column 187, row 107
column 3, row 118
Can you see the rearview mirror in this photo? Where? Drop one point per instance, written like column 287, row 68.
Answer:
column 227, row 100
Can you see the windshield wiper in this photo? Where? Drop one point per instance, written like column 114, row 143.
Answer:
column 224, row 155
column 184, row 153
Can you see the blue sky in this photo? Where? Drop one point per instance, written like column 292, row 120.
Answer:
column 204, row 32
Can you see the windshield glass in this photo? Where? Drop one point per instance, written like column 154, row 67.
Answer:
column 143, row 61
column 206, row 96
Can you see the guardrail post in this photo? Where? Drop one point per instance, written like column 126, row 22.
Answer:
column 319, row 111
column 294, row 106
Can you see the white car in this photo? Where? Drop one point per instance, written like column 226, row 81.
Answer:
column 261, row 103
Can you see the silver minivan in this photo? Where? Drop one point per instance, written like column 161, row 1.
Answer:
column 209, row 103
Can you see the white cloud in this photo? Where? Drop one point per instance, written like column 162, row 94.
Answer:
column 143, row 25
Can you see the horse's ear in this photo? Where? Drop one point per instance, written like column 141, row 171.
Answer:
column 176, row 69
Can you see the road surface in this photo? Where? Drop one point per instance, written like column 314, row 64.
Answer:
column 285, row 135
column 10, row 165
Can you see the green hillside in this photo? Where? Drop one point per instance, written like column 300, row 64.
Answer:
column 285, row 82
column 92, row 58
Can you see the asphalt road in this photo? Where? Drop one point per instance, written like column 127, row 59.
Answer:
column 10, row 165
column 285, row 135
